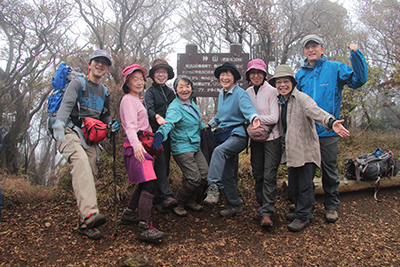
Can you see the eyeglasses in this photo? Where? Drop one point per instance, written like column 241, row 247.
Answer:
column 160, row 72
column 286, row 82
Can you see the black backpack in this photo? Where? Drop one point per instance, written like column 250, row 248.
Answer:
column 374, row 166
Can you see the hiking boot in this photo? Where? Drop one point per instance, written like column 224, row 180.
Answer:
column 160, row 208
column 129, row 216
column 194, row 206
column 212, row 195
column 169, row 203
column 94, row 220
column 290, row 217
column 180, row 211
column 147, row 232
column 266, row 221
column 298, row 225
column 231, row 211
column 257, row 216
column 91, row 233
column 331, row 216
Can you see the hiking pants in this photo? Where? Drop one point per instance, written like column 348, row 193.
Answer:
column 301, row 188
column 194, row 167
column 83, row 167
column 222, row 167
column 265, row 159
column 330, row 173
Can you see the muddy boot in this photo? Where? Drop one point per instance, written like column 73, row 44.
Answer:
column 129, row 217
column 191, row 201
column 212, row 195
column 147, row 232
column 180, row 211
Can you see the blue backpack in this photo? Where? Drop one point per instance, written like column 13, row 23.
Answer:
column 64, row 75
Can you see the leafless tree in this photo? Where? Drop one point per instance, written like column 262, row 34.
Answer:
column 33, row 34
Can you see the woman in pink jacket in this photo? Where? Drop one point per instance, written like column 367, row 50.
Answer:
column 138, row 163
column 265, row 154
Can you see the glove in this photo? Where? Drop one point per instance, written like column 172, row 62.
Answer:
column 113, row 126
column 59, row 131
column 158, row 137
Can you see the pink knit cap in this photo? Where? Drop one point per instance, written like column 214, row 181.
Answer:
column 130, row 69
column 256, row 64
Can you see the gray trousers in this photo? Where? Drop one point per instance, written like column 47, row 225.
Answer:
column 265, row 159
column 330, row 173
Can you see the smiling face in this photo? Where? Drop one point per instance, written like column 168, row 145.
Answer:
column 161, row 76
column 184, row 90
column 136, row 83
column 257, row 77
column 284, row 86
column 98, row 67
column 313, row 51
column 227, row 80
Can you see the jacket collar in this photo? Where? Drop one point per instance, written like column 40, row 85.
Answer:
column 230, row 91
column 305, row 64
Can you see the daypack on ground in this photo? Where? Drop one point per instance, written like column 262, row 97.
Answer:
column 372, row 166
column 64, row 75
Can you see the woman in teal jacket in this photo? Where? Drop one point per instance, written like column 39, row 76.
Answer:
column 184, row 126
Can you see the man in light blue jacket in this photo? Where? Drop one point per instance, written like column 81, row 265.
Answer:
column 323, row 80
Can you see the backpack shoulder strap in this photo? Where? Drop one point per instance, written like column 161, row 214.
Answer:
column 83, row 89
column 106, row 93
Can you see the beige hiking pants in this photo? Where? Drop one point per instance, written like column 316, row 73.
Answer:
column 82, row 164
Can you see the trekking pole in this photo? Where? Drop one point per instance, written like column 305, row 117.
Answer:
column 115, row 183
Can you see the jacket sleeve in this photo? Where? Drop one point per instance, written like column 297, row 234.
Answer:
column 149, row 102
column 247, row 108
column 69, row 100
column 173, row 116
column 359, row 74
column 273, row 117
column 129, row 121
column 313, row 111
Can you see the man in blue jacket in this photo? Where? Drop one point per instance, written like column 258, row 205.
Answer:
column 323, row 80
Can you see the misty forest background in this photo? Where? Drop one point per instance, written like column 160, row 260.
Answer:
column 36, row 35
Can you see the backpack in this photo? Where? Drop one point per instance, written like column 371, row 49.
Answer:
column 374, row 166
column 64, row 75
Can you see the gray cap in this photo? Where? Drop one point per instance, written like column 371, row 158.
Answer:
column 100, row 53
column 313, row 38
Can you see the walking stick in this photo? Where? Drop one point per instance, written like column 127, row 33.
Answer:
column 115, row 183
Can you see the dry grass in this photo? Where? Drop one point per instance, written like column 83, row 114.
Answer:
column 18, row 191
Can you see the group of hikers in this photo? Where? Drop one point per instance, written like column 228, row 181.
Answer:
column 285, row 107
